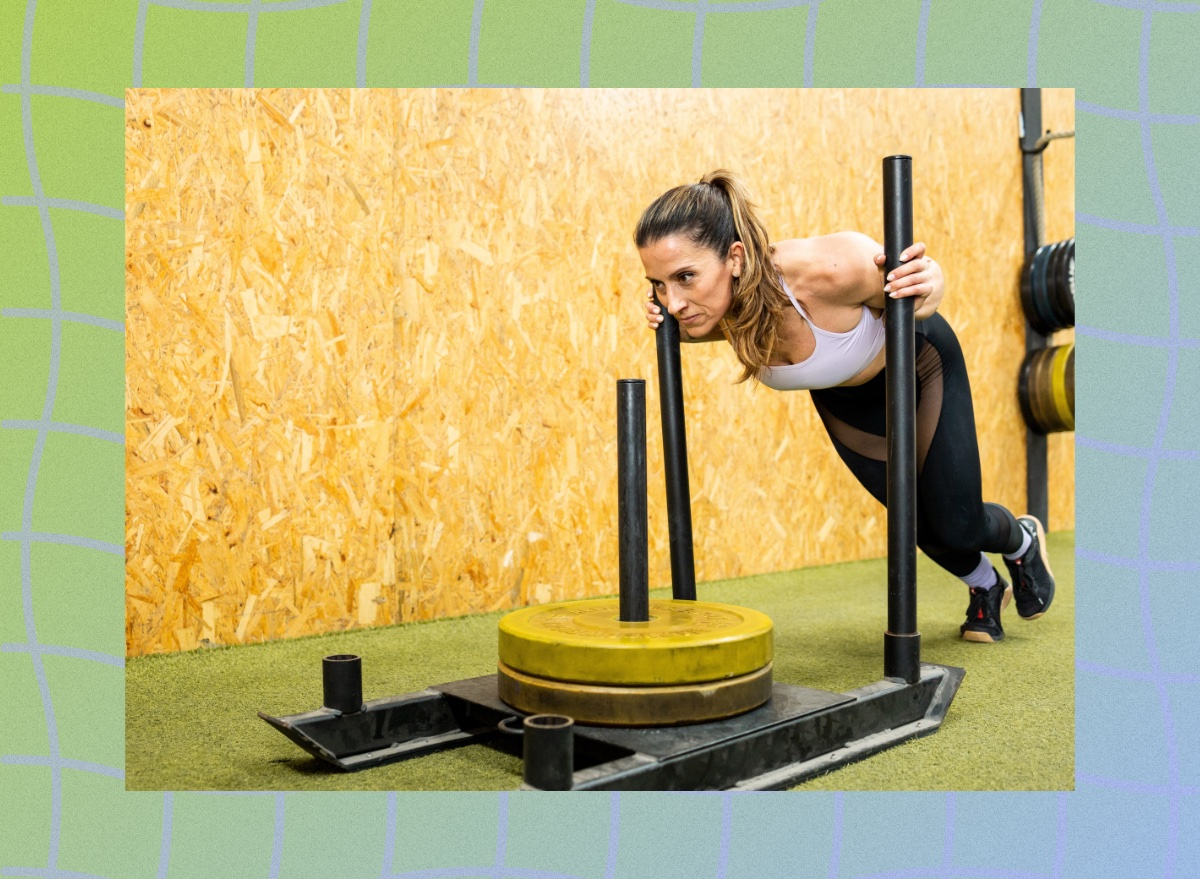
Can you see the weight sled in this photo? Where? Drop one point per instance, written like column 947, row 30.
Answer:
column 799, row 734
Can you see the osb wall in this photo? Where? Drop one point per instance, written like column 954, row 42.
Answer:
column 374, row 339
column 259, row 367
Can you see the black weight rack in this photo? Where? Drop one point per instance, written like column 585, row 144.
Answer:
column 1033, row 142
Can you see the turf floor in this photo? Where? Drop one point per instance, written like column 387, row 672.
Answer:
column 191, row 720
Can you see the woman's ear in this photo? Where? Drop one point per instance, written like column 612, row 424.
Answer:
column 737, row 258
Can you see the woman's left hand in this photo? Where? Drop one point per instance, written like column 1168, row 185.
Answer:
column 917, row 276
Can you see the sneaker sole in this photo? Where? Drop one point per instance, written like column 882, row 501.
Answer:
column 1041, row 538
column 985, row 637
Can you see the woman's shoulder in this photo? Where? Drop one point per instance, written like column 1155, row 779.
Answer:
column 794, row 259
column 792, row 252
column 821, row 255
column 837, row 268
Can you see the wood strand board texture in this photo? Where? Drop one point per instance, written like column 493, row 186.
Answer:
column 259, row 433
column 516, row 296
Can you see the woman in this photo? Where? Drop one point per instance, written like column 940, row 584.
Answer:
column 808, row 314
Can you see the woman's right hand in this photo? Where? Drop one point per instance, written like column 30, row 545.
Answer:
column 654, row 315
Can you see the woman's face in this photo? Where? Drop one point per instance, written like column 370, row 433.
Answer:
column 692, row 282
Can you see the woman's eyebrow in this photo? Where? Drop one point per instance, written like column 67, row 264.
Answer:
column 674, row 274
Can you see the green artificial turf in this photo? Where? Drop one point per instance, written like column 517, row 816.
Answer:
column 191, row 720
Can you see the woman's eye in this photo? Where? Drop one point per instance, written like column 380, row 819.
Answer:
column 686, row 278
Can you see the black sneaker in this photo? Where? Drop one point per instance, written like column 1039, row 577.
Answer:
column 1032, row 580
column 983, row 613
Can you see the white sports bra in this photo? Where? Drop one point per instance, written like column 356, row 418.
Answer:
column 836, row 358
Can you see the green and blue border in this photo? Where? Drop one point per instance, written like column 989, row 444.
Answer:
column 64, row 66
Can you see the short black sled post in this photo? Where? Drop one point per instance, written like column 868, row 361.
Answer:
column 797, row 734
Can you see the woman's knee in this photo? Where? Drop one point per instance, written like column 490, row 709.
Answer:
column 965, row 534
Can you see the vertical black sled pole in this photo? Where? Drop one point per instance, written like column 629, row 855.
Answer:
column 632, row 529
column 1037, row 486
column 679, row 502
column 901, row 642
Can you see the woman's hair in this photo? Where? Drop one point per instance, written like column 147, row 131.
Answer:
column 714, row 213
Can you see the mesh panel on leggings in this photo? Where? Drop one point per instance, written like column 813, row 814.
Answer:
column 929, row 408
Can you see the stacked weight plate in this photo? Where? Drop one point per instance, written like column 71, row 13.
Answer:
column 692, row 661
column 1048, row 287
column 1046, row 388
column 631, row 661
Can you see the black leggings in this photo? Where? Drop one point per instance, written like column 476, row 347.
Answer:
column 953, row 523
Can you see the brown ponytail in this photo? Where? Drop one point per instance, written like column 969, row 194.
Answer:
column 714, row 213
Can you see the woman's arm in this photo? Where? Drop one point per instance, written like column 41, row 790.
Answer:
column 846, row 269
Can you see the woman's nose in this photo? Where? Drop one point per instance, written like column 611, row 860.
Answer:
column 674, row 303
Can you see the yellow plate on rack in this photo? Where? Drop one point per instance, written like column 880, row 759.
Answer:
column 683, row 642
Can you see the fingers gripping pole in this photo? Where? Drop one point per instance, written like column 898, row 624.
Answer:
column 902, row 642
column 679, row 504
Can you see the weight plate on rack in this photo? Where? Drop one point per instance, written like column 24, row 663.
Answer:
column 683, row 642
column 635, row 705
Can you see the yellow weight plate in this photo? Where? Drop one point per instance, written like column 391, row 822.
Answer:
column 1064, row 407
column 683, row 642
column 1039, row 390
column 635, row 706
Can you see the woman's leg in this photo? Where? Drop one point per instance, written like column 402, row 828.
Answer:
column 954, row 525
column 949, row 484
